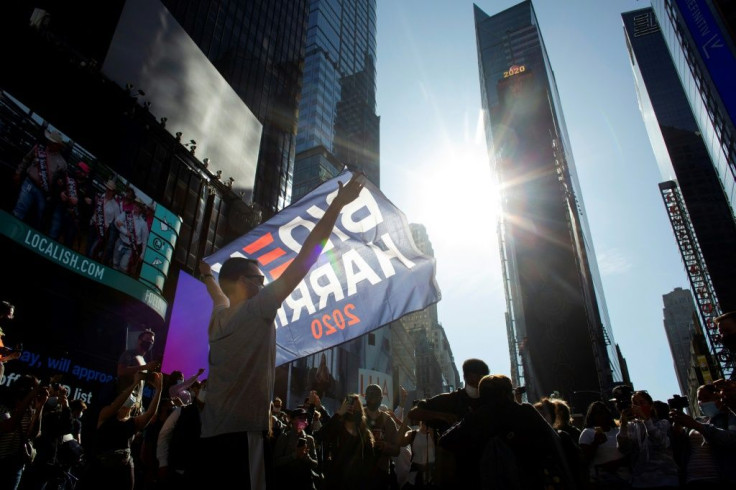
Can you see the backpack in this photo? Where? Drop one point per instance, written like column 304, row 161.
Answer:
column 512, row 460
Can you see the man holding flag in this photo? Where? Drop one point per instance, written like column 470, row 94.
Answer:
column 242, row 354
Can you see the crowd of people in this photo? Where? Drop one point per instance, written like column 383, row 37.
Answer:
column 479, row 436
column 227, row 431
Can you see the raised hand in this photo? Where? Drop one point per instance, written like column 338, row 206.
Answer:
column 350, row 191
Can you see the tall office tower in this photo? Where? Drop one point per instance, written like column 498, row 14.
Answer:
column 559, row 334
column 679, row 317
column 702, row 219
column 338, row 124
column 701, row 38
column 258, row 47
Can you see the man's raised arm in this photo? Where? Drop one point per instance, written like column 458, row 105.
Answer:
column 314, row 243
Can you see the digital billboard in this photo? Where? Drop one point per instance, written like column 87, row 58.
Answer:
column 65, row 205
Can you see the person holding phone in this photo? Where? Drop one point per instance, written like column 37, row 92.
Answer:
column 351, row 455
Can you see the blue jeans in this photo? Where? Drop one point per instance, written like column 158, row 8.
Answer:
column 121, row 258
column 31, row 198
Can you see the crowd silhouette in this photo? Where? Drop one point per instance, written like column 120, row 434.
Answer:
column 475, row 437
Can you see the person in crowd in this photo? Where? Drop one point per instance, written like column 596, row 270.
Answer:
column 443, row 410
column 20, row 411
column 146, row 462
column 646, row 439
column 242, row 346
column 38, row 170
column 547, row 407
column 77, row 407
column 105, row 209
column 384, row 432
column 504, row 444
column 351, row 457
column 176, row 449
column 137, row 359
column 279, row 423
column 317, row 413
column 56, row 421
column 278, row 411
column 179, row 387
column 402, row 462
column 112, row 467
column 7, row 312
column 564, row 420
column 133, row 235
column 709, row 443
column 726, row 324
column 422, row 446
column 608, row 468
column 295, row 455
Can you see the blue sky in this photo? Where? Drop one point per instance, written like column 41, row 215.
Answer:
column 435, row 169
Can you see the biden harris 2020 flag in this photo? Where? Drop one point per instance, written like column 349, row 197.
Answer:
column 370, row 271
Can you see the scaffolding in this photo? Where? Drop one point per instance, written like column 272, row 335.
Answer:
column 697, row 272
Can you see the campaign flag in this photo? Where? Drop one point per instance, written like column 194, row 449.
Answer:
column 370, row 272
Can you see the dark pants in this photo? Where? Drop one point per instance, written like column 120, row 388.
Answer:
column 224, row 462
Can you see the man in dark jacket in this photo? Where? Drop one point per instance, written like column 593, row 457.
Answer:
column 505, row 444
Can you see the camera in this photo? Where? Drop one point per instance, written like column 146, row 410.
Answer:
column 520, row 390
column 678, row 402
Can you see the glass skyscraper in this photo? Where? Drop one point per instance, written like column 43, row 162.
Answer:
column 559, row 334
column 686, row 166
column 338, row 124
column 701, row 38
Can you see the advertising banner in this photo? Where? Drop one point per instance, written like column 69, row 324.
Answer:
column 370, row 272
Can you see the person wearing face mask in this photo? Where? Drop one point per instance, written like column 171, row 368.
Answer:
column 445, row 409
column 294, row 463
column 179, row 387
column 709, row 442
column 137, row 359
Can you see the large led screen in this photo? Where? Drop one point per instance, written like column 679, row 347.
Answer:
column 64, row 204
column 151, row 52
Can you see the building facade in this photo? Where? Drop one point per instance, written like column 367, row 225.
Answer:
column 693, row 194
column 338, row 124
column 560, row 337
column 679, row 313
column 700, row 36
column 258, row 47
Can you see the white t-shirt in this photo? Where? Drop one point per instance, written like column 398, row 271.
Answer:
column 605, row 452
column 242, row 362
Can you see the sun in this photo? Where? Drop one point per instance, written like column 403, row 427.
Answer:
column 458, row 193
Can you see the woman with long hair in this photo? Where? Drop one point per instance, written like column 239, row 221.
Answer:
column 608, row 467
column 350, row 456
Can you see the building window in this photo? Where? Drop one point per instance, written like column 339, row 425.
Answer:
column 371, row 339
